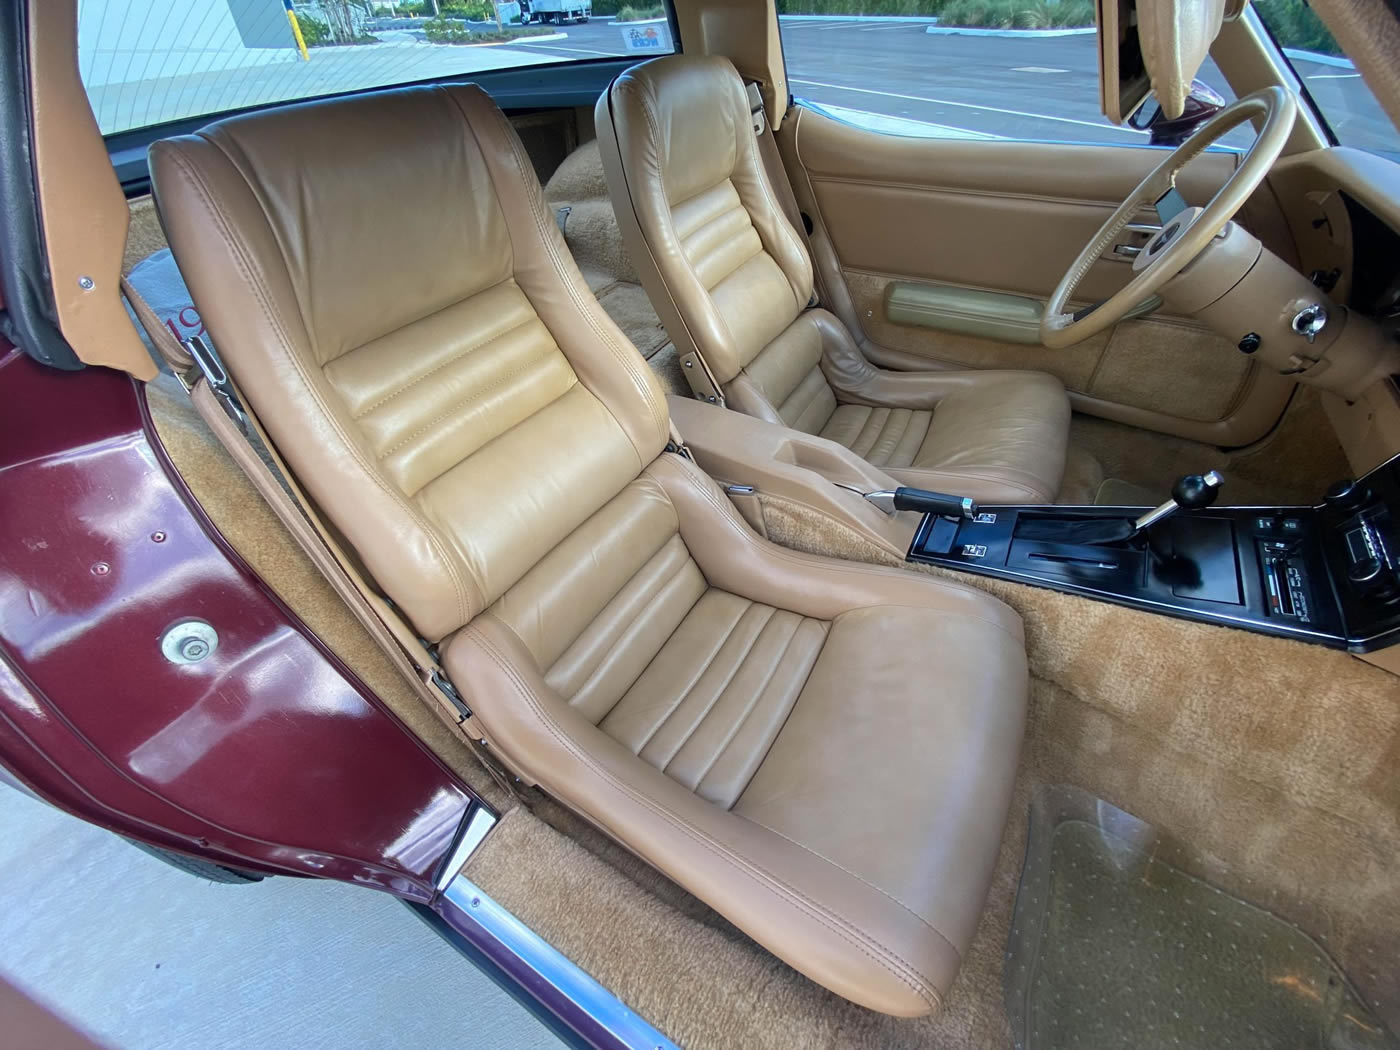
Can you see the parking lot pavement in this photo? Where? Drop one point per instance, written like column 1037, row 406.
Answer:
column 145, row 957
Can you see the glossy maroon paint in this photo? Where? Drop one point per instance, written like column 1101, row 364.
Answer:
column 270, row 755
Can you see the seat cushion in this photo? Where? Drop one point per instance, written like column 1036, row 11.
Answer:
column 996, row 436
column 884, row 437
column 827, row 749
column 1000, row 437
column 927, row 747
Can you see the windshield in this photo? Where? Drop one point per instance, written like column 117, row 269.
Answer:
column 1341, row 96
column 147, row 62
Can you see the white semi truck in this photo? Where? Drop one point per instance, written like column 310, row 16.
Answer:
column 555, row 11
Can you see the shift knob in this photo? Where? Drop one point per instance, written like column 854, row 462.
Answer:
column 1197, row 491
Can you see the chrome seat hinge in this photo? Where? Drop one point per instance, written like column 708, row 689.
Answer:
column 211, row 366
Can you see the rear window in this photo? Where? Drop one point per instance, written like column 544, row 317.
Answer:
column 149, row 62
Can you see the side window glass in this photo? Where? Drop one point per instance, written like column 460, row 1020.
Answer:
column 978, row 69
column 1335, row 86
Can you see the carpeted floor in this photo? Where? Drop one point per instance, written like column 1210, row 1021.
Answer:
column 1293, row 464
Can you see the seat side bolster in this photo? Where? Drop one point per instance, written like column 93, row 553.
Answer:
column 734, row 558
column 824, row 921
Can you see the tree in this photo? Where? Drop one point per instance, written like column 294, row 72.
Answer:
column 340, row 20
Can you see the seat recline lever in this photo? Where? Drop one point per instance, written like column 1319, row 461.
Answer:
column 924, row 500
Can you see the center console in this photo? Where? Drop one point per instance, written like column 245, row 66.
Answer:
column 1328, row 574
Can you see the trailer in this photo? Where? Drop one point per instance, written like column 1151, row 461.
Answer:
column 556, row 12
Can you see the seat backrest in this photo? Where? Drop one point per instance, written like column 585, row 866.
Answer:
column 726, row 270
column 395, row 300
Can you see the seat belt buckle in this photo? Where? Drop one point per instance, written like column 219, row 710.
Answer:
column 211, row 366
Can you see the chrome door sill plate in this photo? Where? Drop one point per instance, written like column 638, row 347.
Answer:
column 580, row 1002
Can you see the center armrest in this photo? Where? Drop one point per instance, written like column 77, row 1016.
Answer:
column 788, row 464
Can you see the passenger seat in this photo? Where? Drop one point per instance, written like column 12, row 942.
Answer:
column 731, row 279
column 821, row 751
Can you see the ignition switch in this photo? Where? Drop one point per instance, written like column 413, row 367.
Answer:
column 1310, row 321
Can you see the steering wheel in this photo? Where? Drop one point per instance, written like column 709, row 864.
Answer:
column 1185, row 232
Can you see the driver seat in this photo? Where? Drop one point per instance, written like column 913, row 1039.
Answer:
column 732, row 280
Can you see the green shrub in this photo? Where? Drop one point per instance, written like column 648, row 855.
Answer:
column 1017, row 14
column 639, row 14
column 1294, row 24
column 480, row 11
column 907, row 8
column 448, row 31
column 314, row 32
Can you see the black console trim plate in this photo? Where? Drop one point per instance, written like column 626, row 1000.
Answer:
column 1328, row 574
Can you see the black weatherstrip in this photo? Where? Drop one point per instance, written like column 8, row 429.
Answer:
column 29, row 319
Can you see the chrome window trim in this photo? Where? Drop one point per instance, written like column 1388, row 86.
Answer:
column 477, row 822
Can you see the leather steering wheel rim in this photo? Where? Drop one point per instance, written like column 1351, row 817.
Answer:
column 1059, row 328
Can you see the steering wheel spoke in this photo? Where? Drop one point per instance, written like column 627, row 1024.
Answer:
column 1169, row 205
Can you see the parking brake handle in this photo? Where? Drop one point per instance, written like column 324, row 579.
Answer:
column 941, row 503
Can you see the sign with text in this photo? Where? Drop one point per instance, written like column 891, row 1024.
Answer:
column 647, row 38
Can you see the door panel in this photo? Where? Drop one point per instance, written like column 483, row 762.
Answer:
column 1009, row 217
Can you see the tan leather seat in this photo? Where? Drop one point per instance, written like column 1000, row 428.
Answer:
column 821, row 751
column 731, row 279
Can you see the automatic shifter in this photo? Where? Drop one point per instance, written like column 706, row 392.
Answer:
column 1191, row 492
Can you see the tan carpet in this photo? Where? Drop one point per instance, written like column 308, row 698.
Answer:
column 1293, row 464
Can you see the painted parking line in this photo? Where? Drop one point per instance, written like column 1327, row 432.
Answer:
column 1334, row 76
column 1104, row 126
column 886, row 29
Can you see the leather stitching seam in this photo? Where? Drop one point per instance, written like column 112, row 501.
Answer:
column 728, row 681
column 883, row 893
column 439, row 367
column 477, row 395
column 753, row 705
